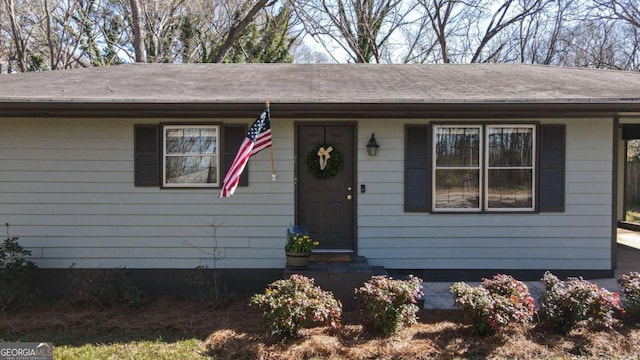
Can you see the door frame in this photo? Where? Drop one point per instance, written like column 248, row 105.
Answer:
column 354, row 125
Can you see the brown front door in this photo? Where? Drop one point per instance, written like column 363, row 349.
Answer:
column 327, row 206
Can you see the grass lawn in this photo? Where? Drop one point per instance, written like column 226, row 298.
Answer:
column 151, row 350
column 176, row 328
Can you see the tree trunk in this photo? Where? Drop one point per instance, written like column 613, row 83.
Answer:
column 138, row 36
column 52, row 58
column 21, row 52
column 236, row 31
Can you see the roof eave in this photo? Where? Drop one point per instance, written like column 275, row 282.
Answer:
column 448, row 110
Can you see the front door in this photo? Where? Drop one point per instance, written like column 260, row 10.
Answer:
column 325, row 204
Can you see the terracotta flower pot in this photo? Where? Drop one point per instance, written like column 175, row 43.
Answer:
column 298, row 261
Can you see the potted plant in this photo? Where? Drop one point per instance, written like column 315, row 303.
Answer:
column 298, row 247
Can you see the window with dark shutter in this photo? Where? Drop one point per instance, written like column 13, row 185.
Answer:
column 148, row 149
column 146, row 155
column 552, row 168
column 234, row 135
column 417, row 192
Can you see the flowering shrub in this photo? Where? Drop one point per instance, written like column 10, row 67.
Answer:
column 496, row 303
column 289, row 305
column 386, row 305
column 630, row 284
column 564, row 304
column 299, row 240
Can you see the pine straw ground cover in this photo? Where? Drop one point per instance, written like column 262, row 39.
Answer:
column 177, row 328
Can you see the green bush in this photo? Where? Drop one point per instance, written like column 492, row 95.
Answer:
column 495, row 304
column 386, row 305
column 566, row 303
column 17, row 285
column 105, row 287
column 630, row 284
column 291, row 304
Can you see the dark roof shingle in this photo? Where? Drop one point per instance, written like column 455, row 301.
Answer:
column 323, row 83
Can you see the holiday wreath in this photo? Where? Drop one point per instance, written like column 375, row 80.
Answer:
column 324, row 161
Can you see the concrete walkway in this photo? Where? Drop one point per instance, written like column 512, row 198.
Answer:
column 437, row 295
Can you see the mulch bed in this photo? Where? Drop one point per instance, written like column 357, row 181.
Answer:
column 233, row 331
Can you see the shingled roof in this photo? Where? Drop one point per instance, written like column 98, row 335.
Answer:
column 327, row 89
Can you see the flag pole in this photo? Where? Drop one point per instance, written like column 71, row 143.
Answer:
column 273, row 169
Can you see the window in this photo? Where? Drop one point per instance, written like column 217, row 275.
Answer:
column 190, row 156
column 493, row 168
column 510, row 173
column 483, row 168
column 457, row 175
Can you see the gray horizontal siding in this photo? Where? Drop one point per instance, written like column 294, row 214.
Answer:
column 579, row 238
column 66, row 188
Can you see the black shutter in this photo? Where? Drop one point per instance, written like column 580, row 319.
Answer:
column 146, row 155
column 630, row 132
column 552, row 168
column 417, row 168
column 234, row 135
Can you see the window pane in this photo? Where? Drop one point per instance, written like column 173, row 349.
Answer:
column 207, row 141
column 510, row 188
column 457, row 146
column 510, row 146
column 457, row 189
column 191, row 170
column 191, row 141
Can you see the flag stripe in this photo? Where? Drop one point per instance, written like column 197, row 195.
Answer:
column 239, row 165
column 262, row 142
column 258, row 138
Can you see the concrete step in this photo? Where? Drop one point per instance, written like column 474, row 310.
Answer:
column 341, row 278
column 330, row 257
column 437, row 295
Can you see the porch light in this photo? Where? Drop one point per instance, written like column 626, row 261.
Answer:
column 372, row 146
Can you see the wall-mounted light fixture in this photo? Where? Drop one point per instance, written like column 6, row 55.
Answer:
column 372, row 146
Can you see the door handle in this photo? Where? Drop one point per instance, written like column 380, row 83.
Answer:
column 349, row 197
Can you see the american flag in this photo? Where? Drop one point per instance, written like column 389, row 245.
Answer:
column 258, row 138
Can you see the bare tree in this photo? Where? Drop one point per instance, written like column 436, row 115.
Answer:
column 63, row 31
column 539, row 38
column 362, row 29
column 162, row 20
column 504, row 16
column 20, row 31
column 626, row 10
column 238, row 26
column 138, row 31
column 304, row 54
column 451, row 21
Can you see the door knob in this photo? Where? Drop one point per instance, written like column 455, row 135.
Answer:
column 349, row 197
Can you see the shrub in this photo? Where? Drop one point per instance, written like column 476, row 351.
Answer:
column 564, row 304
column 16, row 275
column 630, row 284
column 495, row 304
column 386, row 304
column 291, row 304
column 209, row 285
column 105, row 287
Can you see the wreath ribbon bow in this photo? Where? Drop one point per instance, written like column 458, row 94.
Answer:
column 323, row 156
